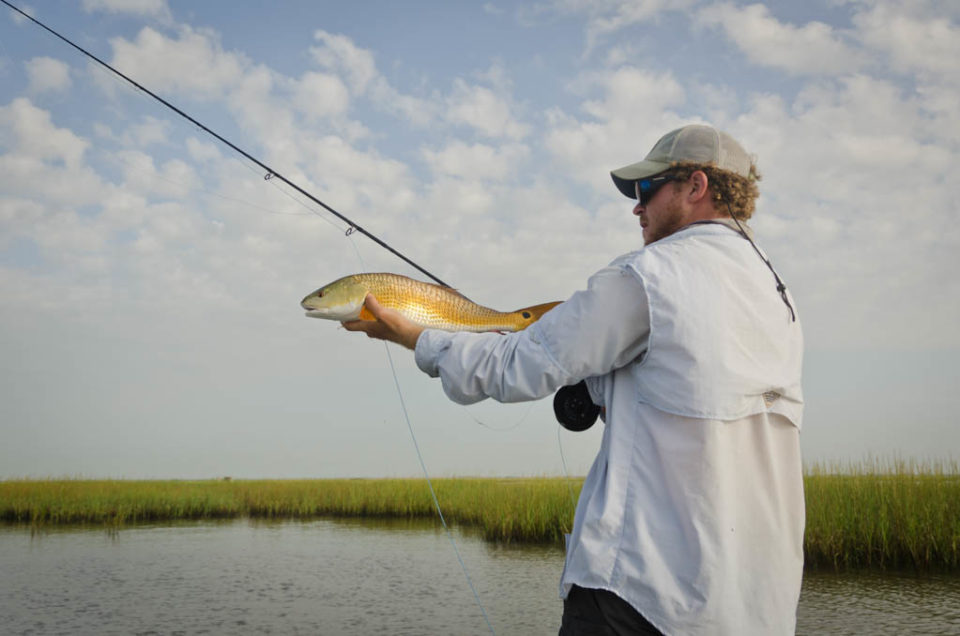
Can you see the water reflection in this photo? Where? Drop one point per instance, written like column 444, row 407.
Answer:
column 879, row 603
column 356, row 577
column 318, row 577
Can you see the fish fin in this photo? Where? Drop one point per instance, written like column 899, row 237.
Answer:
column 365, row 314
column 455, row 291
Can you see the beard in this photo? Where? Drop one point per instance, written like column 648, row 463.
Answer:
column 667, row 222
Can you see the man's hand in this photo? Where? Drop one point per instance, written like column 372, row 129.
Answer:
column 389, row 325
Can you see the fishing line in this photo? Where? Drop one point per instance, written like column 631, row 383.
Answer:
column 509, row 427
column 566, row 475
column 436, row 502
column 270, row 173
column 213, row 193
column 423, row 466
column 290, row 196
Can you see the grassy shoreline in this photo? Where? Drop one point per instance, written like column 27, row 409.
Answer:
column 862, row 516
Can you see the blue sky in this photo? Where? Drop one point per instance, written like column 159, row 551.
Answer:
column 151, row 277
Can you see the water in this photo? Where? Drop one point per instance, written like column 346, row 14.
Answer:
column 336, row 577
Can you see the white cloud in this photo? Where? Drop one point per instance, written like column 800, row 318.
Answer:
column 31, row 134
column 854, row 182
column 417, row 111
column 154, row 8
column 814, row 48
column 476, row 161
column 612, row 135
column 926, row 45
column 181, row 257
column 150, row 131
column 608, row 16
column 321, row 95
column 338, row 52
column 18, row 18
column 174, row 179
column 47, row 74
column 357, row 65
column 482, row 109
column 202, row 151
column 194, row 62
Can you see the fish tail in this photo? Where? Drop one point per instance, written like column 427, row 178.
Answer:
column 538, row 310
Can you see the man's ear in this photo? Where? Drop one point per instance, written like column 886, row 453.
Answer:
column 699, row 183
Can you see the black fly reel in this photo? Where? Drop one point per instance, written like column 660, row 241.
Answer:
column 574, row 409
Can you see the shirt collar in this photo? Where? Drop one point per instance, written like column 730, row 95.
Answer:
column 730, row 223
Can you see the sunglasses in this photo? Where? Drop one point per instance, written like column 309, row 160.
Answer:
column 647, row 188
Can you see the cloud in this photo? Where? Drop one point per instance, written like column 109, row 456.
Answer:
column 31, row 135
column 18, row 18
column 610, row 135
column 929, row 46
column 485, row 111
column 321, row 95
column 338, row 52
column 193, row 63
column 147, row 242
column 150, row 131
column 202, row 151
column 357, row 65
column 47, row 74
column 153, row 8
column 605, row 17
column 855, row 181
column 812, row 49
column 476, row 161
column 175, row 179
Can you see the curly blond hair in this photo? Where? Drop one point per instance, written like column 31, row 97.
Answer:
column 726, row 188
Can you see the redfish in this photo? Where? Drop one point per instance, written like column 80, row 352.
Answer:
column 428, row 305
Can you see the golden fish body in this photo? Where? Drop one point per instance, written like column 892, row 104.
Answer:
column 428, row 305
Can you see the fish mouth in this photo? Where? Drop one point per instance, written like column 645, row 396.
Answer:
column 343, row 314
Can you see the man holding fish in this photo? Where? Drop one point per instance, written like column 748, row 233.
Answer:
column 691, row 518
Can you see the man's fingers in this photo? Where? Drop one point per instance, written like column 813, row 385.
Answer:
column 387, row 324
column 355, row 325
column 373, row 306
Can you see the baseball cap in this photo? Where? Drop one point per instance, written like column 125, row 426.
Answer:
column 696, row 142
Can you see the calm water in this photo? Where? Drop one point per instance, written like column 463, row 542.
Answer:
column 333, row 577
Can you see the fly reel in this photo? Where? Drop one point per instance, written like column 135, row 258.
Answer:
column 574, row 409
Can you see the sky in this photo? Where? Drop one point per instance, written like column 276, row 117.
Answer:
column 150, row 324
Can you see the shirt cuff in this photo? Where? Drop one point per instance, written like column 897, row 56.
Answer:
column 430, row 345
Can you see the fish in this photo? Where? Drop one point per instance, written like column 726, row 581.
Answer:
column 428, row 305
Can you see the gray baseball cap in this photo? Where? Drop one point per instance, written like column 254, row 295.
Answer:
column 696, row 142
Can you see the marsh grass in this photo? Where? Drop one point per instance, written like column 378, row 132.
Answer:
column 871, row 514
column 883, row 514
column 504, row 510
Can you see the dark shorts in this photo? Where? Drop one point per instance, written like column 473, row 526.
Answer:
column 589, row 612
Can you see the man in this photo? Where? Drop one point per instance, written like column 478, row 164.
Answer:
column 691, row 518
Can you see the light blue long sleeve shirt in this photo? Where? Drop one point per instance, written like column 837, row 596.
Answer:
column 697, row 522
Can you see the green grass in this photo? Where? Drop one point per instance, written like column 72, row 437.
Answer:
column 866, row 515
column 896, row 514
column 504, row 510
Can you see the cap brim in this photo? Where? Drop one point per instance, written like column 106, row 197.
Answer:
column 627, row 176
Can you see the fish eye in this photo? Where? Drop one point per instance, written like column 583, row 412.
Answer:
column 526, row 314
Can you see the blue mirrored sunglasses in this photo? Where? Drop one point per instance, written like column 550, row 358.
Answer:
column 648, row 187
